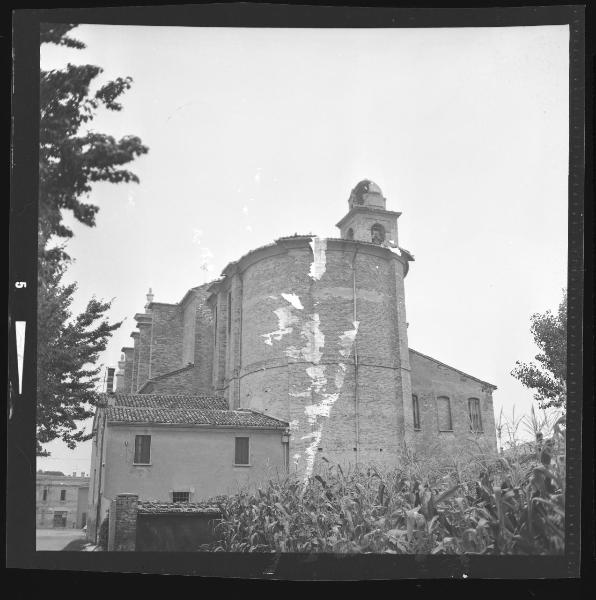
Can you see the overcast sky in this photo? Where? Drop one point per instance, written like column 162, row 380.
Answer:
column 260, row 133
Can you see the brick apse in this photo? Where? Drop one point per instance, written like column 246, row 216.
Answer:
column 313, row 332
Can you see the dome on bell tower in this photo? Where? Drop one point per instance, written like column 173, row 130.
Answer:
column 366, row 193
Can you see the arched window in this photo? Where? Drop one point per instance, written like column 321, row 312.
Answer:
column 377, row 233
column 416, row 411
column 350, row 234
column 474, row 414
column 444, row 413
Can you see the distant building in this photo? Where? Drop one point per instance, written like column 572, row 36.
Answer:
column 310, row 332
column 62, row 500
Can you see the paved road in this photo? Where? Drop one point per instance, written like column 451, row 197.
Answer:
column 56, row 539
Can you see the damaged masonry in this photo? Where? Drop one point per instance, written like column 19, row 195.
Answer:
column 297, row 354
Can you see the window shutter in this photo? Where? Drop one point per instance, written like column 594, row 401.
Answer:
column 142, row 449
column 241, row 451
column 444, row 413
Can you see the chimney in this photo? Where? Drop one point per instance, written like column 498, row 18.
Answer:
column 74, row 474
column 110, row 381
column 82, row 473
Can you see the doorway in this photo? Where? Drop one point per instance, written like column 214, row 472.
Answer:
column 60, row 518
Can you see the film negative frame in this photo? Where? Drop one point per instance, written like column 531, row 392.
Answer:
column 20, row 414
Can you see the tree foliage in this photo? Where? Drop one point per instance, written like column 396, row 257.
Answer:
column 68, row 349
column 548, row 375
column 71, row 158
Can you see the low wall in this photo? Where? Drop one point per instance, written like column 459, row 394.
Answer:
column 174, row 532
column 159, row 527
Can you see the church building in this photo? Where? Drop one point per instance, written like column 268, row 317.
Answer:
column 297, row 353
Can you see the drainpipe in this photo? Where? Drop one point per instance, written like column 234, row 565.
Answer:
column 98, row 515
column 356, row 399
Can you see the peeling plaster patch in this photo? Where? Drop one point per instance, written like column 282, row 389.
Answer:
column 323, row 409
column 306, row 394
column 317, row 412
column 315, row 339
column 339, row 376
column 318, row 265
column 285, row 320
column 346, row 339
column 293, row 300
column 272, row 297
column 292, row 352
column 317, row 375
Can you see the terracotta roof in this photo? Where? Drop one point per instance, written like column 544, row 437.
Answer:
column 214, row 418
column 147, row 507
column 169, row 401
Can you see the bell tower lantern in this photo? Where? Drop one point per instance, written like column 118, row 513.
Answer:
column 368, row 220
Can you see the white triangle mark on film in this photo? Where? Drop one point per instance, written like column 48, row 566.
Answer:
column 20, row 331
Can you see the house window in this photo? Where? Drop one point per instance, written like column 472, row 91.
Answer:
column 229, row 312
column 241, row 454
column 142, row 450
column 62, row 495
column 350, row 234
column 180, row 496
column 45, row 494
column 416, row 411
column 444, row 413
column 474, row 413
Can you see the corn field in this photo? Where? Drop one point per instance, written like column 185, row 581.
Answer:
column 509, row 506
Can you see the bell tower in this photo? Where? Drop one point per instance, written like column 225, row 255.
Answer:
column 368, row 220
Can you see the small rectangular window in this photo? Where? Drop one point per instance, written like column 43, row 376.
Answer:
column 142, row 450
column 241, row 455
column 215, row 326
column 180, row 496
column 45, row 494
column 286, row 456
column 229, row 312
column 474, row 413
column 62, row 495
column 416, row 411
column 444, row 413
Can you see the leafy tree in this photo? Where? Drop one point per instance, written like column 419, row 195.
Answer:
column 67, row 349
column 71, row 159
column 548, row 375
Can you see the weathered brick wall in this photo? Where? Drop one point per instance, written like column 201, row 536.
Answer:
column 166, row 339
column 431, row 380
column 128, row 363
column 144, row 364
column 189, row 317
column 203, row 343
column 181, row 381
column 280, row 378
column 122, row 532
column 219, row 354
column 135, row 361
column 362, row 223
